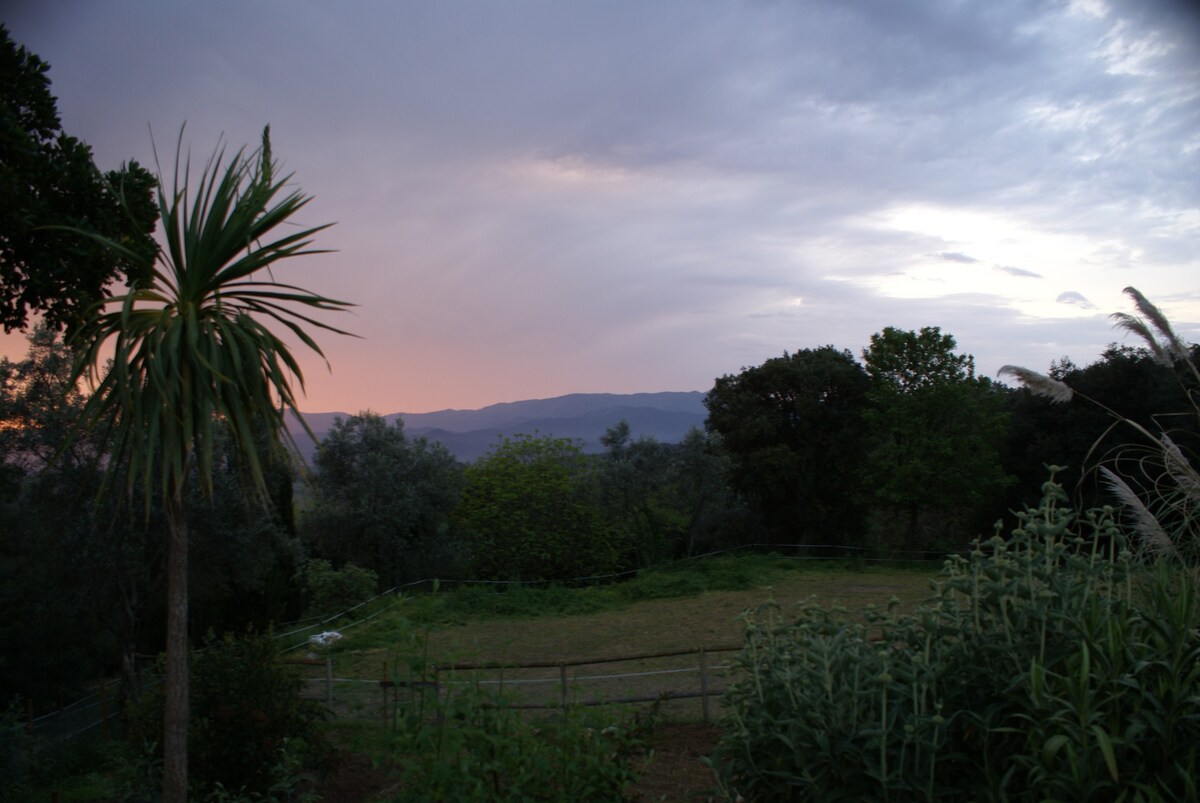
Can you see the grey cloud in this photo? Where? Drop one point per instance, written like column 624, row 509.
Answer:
column 1019, row 272
column 767, row 138
column 1074, row 299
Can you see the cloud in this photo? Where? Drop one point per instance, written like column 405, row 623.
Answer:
column 547, row 198
column 1019, row 272
column 1075, row 299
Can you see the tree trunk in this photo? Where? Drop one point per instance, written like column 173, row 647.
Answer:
column 130, row 693
column 175, row 714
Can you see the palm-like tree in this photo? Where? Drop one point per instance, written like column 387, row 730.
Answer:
column 193, row 352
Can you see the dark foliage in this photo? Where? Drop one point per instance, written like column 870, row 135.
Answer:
column 48, row 180
column 793, row 430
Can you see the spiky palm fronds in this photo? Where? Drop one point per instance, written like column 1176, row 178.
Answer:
column 192, row 348
column 193, row 352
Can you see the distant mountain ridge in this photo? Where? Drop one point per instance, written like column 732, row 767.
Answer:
column 469, row 434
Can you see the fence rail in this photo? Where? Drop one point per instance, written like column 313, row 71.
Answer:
column 642, row 684
column 98, row 709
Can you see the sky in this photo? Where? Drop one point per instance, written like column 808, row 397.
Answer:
column 541, row 198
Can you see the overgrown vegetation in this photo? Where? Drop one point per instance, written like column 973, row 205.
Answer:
column 332, row 590
column 457, row 742
column 1050, row 664
column 248, row 719
column 1061, row 662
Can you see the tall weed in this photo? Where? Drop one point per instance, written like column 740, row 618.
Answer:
column 1155, row 476
column 457, row 742
column 1047, row 665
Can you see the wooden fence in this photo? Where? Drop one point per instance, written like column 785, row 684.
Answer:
column 645, row 682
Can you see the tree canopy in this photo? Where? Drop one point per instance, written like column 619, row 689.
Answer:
column 529, row 512
column 934, row 431
column 793, row 429
column 383, row 500
column 49, row 190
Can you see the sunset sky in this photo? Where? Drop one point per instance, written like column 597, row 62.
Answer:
column 541, row 198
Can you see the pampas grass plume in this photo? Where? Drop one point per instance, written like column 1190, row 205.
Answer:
column 1039, row 384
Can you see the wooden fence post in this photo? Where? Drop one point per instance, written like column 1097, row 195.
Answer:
column 703, row 687
column 104, row 712
column 329, row 682
column 562, row 677
column 383, row 686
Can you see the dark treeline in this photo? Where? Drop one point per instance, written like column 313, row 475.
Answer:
column 904, row 452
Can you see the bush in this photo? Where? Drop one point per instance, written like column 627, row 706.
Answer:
column 331, row 591
column 247, row 717
column 1047, row 665
column 528, row 512
column 464, row 746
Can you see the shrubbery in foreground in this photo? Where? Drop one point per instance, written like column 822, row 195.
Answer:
column 248, row 721
column 463, row 745
column 1048, row 665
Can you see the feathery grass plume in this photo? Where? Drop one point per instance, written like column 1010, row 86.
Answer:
column 1167, row 347
column 1180, row 469
column 1156, row 480
column 1145, row 523
column 1137, row 326
column 1039, row 384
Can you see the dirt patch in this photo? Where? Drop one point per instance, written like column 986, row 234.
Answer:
column 354, row 780
column 675, row 771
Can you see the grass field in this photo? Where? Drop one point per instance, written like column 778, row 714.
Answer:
column 685, row 607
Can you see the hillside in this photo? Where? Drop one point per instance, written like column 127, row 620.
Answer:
column 469, row 434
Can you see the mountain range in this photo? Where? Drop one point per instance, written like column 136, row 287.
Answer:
column 469, row 434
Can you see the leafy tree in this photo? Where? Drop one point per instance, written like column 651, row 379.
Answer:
column 633, row 487
column 48, row 186
column 666, row 499
column 383, row 501
column 77, row 573
column 934, row 430
column 245, row 554
column 192, row 355
column 793, row 430
column 698, row 480
column 529, row 512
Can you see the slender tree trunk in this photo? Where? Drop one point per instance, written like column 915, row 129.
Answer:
column 130, row 693
column 175, row 715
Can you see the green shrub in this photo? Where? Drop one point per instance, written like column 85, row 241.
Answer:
column 331, row 591
column 464, row 746
column 1049, row 665
column 528, row 512
column 247, row 717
